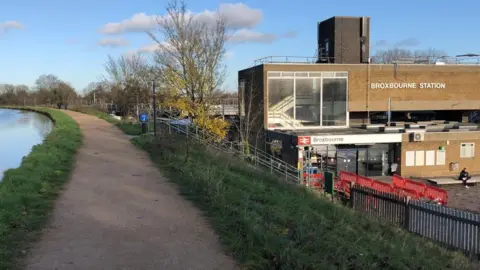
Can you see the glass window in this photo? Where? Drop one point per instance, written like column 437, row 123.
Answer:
column 307, row 101
column 274, row 74
column 334, row 102
column 467, row 150
column 280, row 102
column 328, row 74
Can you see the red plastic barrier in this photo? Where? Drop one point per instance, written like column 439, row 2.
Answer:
column 398, row 181
column 337, row 183
column 364, row 181
column 382, row 187
column 408, row 192
column 436, row 194
column 351, row 177
column 417, row 186
column 316, row 179
column 345, row 187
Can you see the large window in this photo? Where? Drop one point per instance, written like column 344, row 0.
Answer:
column 281, row 102
column 307, row 99
column 334, row 101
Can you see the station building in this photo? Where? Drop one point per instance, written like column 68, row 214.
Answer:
column 363, row 117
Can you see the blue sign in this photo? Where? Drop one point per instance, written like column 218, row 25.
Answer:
column 143, row 117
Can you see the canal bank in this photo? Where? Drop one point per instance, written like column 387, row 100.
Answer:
column 27, row 193
column 19, row 132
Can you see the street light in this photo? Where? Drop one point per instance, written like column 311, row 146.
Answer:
column 154, row 109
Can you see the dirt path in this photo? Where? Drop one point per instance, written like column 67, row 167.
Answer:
column 119, row 212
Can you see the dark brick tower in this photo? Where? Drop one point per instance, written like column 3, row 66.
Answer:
column 344, row 40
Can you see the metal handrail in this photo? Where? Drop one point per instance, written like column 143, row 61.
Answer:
column 257, row 157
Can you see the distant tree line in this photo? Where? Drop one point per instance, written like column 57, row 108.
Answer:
column 428, row 56
column 48, row 90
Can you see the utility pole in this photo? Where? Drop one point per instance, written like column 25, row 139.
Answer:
column 154, row 110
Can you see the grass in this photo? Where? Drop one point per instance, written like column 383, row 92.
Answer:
column 127, row 127
column 27, row 193
column 266, row 224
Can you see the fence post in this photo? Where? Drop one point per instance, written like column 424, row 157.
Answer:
column 286, row 173
column 352, row 201
column 406, row 220
column 271, row 165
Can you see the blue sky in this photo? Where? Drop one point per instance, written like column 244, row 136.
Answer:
column 62, row 37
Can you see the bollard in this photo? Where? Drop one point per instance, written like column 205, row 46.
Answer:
column 144, row 128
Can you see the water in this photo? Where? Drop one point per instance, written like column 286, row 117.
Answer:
column 19, row 132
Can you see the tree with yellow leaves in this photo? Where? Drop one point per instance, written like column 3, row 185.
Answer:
column 190, row 57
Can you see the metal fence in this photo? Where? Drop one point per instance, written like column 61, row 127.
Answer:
column 254, row 155
column 450, row 227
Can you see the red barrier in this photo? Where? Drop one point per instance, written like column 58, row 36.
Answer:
column 382, row 187
column 351, row 177
column 408, row 192
column 364, row 181
column 316, row 179
column 436, row 194
column 417, row 186
column 398, row 181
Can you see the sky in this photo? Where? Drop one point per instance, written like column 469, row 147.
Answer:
column 72, row 39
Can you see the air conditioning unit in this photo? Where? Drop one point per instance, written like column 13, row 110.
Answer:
column 418, row 136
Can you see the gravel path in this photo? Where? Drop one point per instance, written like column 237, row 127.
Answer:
column 119, row 212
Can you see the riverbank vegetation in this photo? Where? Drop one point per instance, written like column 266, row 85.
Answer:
column 27, row 193
column 267, row 224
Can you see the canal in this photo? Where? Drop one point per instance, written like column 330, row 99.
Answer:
column 19, row 132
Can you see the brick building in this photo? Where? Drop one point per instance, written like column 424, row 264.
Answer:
column 363, row 117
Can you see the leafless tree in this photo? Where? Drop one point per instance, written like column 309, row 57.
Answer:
column 250, row 104
column 129, row 77
column 420, row 56
column 190, row 55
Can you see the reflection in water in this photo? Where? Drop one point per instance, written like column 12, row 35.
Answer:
column 19, row 132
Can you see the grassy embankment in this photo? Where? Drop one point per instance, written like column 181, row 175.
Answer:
column 27, row 193
column 266, row 224
column 127, row 127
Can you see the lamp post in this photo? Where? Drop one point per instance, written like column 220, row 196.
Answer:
column 154, row 109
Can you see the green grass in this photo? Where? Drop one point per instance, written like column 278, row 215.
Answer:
column 27, row 193
column 266, row 224
column 127, row 127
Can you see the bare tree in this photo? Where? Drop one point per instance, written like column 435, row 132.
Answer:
column 420, row 56
column 129, row 77
column 250, row 100
column 191, row 53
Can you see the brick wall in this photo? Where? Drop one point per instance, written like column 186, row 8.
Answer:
column 451, row 141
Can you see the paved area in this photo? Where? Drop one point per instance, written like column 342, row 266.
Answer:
column 119, row 212
column 462, row 198
column 459, row 197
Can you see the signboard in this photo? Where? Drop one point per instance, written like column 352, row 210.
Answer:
column 350, row 139
column 408, row 85
column 143, row 117
column 304, row 140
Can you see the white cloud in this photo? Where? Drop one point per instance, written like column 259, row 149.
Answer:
column 247, row 35
column 236, row 16
column 113, row 42
column 228, row 55
column 10, row 25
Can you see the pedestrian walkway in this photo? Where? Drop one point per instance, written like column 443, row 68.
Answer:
column 119, row 212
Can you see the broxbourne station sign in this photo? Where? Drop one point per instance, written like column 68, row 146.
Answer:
column 408, row 85
column 350, row 139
